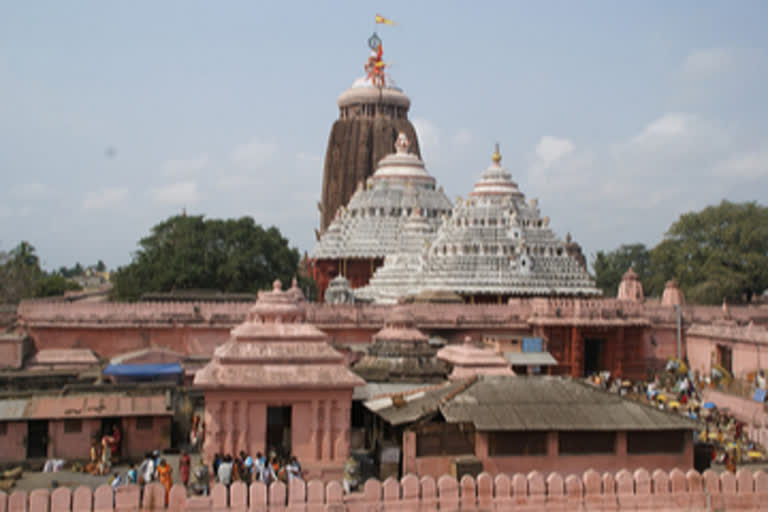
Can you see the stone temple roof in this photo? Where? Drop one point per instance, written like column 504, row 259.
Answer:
column 493, row 243
column 276, row 348
column 371, row 224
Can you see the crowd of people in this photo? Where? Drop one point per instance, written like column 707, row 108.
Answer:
column 261, row 468
column 677, row 390
column 102, row 452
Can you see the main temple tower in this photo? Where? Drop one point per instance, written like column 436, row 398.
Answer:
column 371, row 115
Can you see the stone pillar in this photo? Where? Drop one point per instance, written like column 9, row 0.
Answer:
column 341, row 451
column 553, row 449
column 314, row 439
column 326, row 452
column 620, row 352
column 226, row 426
column 574, row 351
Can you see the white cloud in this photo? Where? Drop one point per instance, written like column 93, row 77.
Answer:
column 184, row 167
column 429, row 137
column 551, row 149
column 33, row 191
column 254, row 153
column 752, row 164
column 669, row 125
column 105, row 198
column 462, row 138
column 707, row 62
column 183, row 192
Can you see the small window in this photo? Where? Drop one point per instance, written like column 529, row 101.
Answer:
column 144, row 423
column 585, row 443
column 656, row 442
column 517, row 443
column 444, row 439
column 73, row 426
column 3, row 428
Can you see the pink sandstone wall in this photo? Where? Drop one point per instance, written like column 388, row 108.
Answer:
column 11, row 353
column 439, row 465
column 138, row 442
column 14, row 442
column 640, row 491
column 71, row 445
column 237, row 421
column 747, row 357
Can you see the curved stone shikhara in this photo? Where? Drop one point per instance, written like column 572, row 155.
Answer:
column 493, row 243
column 371, row 224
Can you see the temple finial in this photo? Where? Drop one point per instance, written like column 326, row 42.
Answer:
column 496, row 157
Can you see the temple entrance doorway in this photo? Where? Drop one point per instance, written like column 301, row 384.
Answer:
column 279, row 430
column 37, row 439
column 593, row 356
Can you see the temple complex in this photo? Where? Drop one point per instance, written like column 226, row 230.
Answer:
column 493, row 246
column 277, row 385
column 371, row 115
column 369, row 228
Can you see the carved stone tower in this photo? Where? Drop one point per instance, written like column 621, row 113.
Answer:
column 371, row 115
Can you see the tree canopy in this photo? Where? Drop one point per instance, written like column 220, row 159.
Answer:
column 21, row 276
column 193, row 253
column 720, row 252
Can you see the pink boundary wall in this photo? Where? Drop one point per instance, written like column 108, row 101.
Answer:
column 639, row 491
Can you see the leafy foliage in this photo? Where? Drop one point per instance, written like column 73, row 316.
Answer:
column 719, row 252
column 189, row 252
column 21, row 276
column 610, row 266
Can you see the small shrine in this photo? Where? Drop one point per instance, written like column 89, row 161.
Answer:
column 401, row 353
column 468, row 360
column 630, row 288
column 278, row 386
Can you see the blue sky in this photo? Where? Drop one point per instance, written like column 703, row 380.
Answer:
column 618, row 116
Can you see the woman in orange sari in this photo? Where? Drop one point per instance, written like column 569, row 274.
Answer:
column 164, row 472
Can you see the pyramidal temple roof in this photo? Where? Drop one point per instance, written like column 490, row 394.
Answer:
column 276, row 348
column 493, row 243
column 371, row 224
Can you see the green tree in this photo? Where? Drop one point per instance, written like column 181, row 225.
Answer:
column 610, row 266
column 19, row 271
column 719, row 252
column 51, row 285
column 189, row 252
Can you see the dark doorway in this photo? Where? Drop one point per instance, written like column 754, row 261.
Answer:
column 593, row 356
column 37, row 439
column 107, row 424
column 279, row 430
column 725, row 357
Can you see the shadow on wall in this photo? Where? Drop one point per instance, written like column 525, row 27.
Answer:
column 640, row 490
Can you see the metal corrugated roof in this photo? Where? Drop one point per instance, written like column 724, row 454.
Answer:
column 13, row 409
column 531, row 358
column 416, row 405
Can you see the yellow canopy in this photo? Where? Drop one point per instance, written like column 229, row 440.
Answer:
column 674, row 403
column 662, row 398
column 754, row 455
column 713, row 435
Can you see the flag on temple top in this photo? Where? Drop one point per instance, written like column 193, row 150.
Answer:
column 382, row 19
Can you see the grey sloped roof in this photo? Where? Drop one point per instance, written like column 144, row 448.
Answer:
column 543, row 403
column 529, row 403
column 13, row 409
